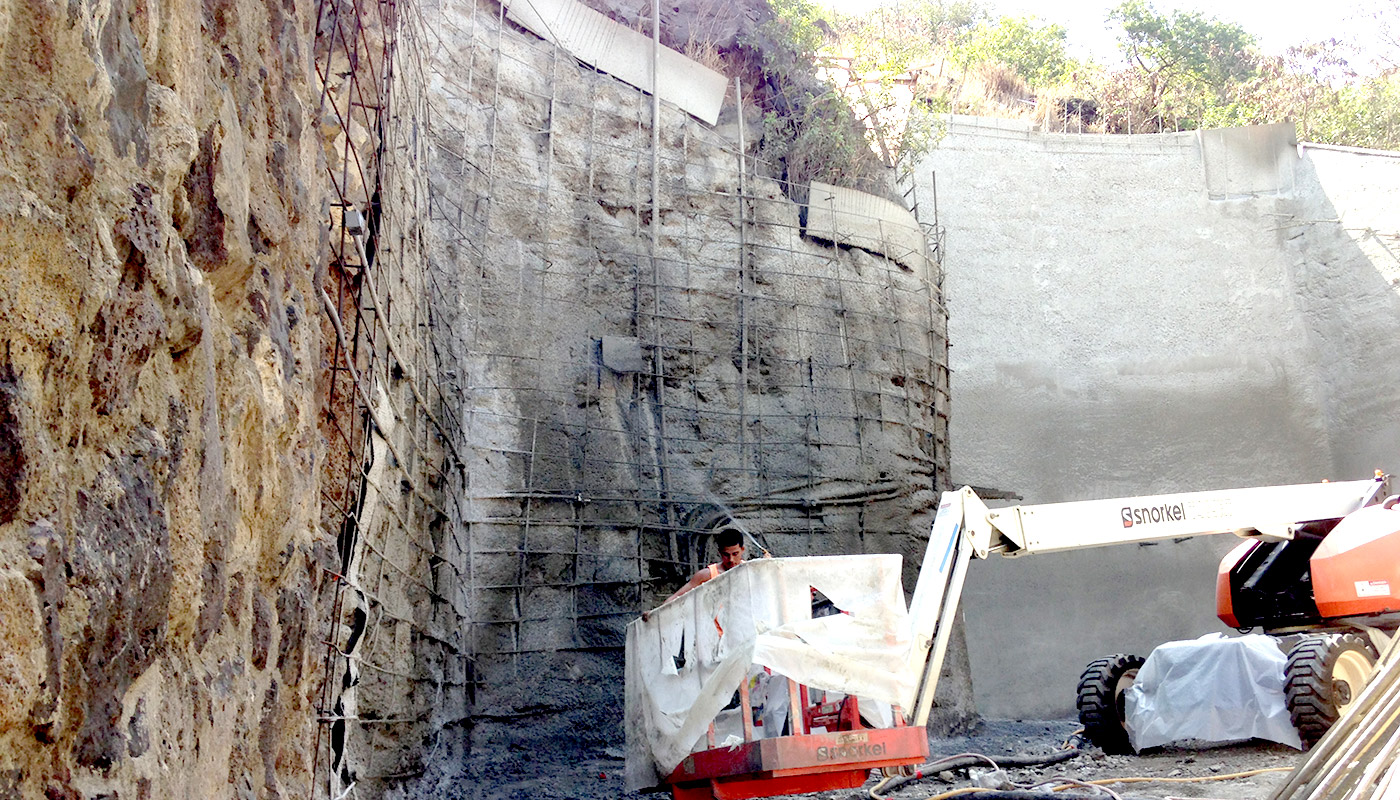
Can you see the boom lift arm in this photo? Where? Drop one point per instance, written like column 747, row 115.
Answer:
column 965, row 526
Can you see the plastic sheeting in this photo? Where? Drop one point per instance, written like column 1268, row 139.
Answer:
column 686, row 662
column 1211, row 689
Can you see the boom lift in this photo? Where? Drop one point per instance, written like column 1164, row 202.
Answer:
column 1321, row 559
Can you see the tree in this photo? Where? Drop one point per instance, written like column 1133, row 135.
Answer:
column 1183, row 53
column 882, row 56
column 1381, row 22
column 1036, row 52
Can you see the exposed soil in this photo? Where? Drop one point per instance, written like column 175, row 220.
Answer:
column 1176, row 772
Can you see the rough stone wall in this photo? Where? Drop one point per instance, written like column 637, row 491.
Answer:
column 622, row 398
column 1147, row 314
column 160, row 207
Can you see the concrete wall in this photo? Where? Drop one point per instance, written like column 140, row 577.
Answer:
column 1133, row 315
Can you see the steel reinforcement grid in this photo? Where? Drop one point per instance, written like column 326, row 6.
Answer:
column 639, row 370
column 396, row 670
column 546, row 389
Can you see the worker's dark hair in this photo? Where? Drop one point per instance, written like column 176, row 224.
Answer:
column 728, row 537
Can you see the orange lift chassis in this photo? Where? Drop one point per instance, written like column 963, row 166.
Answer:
column 801, row 762
column 1340, row 540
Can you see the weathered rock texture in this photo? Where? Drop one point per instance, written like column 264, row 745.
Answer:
column 189, row 368
column 1147, row 314
column 160, row 211
column 634, row 377
column 223, row 441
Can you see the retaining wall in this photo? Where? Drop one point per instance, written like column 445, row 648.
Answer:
column 1146, row 314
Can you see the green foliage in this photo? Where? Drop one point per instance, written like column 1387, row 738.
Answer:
column 917, row 28
column 1315, row 87
column 1035, row 51
column 817, row 138
column 809, row 129
column 817, row 132
column 1182, row 70
column 1184, row 54
column 798, row 29
column 1367, row 115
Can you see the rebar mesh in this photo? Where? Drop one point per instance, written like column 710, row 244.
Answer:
column 396, row 670
column 539, row 414
column 640, row 371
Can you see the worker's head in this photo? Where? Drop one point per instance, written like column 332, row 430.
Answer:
column 730, row 543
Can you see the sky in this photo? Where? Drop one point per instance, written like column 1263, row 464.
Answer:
column 1278, row 24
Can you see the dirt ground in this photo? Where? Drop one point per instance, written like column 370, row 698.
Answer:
column 1175, row 772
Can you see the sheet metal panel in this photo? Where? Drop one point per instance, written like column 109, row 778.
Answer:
column 623, row 53
column 866, row 221
column 1249, row 161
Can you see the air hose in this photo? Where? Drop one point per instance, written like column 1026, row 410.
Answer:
column 965, row 760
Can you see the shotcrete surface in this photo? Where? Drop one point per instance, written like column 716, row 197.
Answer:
column 640, row 370
column 1144, row 315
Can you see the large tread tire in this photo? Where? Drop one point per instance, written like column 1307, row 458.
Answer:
column 1100, row 700
column 1318, row 690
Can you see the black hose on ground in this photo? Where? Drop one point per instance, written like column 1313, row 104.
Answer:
column 971, row 760
column 1021, row 794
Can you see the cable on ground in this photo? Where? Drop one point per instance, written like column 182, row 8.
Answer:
column 1041, row 790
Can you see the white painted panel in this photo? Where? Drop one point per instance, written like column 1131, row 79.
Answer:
column 864, row 220
column 623, row 53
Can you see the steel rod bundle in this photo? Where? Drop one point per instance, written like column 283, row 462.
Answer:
column 1356, row 760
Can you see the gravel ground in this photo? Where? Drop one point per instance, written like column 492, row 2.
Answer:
column 1176, row 772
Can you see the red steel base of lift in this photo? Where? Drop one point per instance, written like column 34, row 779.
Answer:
column 796, row 764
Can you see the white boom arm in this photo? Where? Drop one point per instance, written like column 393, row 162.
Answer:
column 965, row 526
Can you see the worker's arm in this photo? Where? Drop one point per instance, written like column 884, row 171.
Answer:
column 695, row 580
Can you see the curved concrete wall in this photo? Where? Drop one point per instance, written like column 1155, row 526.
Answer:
column 1135, row 315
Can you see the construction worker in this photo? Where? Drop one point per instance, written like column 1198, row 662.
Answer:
column 730, row 543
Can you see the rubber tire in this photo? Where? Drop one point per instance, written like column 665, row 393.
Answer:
column 1100, row 701
column 1310, row 685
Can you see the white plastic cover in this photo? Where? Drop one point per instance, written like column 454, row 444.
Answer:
column 686, row 662
column 1211, row 689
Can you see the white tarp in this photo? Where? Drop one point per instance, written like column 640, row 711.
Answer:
column 1211, row 689
column 686, row 662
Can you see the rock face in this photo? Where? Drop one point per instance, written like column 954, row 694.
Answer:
column 160, row 213
column 227, row 438
column 637, row 374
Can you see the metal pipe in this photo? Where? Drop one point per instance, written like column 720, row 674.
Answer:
column 657, row 356
column 947, row 616
column 743, row 280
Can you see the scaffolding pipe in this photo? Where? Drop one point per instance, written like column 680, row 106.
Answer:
column 743, row 278
column 657, row 355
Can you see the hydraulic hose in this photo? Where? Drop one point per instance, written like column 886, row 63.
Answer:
column 964, row 760
column 1021, row 794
